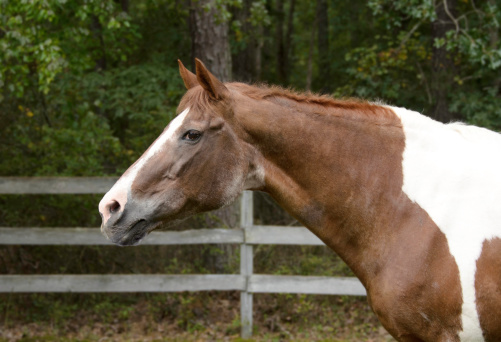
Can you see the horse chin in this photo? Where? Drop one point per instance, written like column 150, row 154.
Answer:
column 131, row 236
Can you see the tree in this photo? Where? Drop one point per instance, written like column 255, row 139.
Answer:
column 431, row 56
column 249, row 21
column 284, row 39
column 443, row 69
column 324, row 62
column 243, row 43
column 209, row 35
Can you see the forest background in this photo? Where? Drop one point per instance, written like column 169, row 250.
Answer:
column 86, row 86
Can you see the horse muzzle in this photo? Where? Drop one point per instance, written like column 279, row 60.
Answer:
column 128, row 226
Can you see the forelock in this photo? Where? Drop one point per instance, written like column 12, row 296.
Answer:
column 197, row 99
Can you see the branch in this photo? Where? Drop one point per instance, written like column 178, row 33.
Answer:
column 446, row 8
column 465, row 18
column 455, row 21
column 426, row 85
column 409, row 34
column 480, row 13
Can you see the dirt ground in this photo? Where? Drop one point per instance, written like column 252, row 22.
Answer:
column 188, row 317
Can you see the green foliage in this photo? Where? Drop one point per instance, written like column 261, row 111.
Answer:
column 136, row 102
column 387, row 71
column 480, row 107
column 471, row 36
column 99, row 122
column 49, row 210
column 259, row 15
column 82, row 148
column 86, row 84
column 396, row 65
column 102, row 112
column 29, row 53
column 42, row 38
column 221, row 9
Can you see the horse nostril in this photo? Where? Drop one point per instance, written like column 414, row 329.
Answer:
column 113, row 207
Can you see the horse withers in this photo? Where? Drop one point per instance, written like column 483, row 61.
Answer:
column 410, row 204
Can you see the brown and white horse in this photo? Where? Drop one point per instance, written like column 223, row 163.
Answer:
column 410, row 204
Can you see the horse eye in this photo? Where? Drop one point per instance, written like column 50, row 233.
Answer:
column 192, row 135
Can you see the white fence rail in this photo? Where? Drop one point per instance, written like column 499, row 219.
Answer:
column 246, row 236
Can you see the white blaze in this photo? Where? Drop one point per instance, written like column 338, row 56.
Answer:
column 454, row 173
column 119, row 192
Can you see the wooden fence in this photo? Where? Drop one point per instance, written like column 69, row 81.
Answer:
column 246, row 236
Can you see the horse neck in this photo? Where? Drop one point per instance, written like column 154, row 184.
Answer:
column 335, row 169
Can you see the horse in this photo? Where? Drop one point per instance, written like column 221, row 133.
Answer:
column 410, row 204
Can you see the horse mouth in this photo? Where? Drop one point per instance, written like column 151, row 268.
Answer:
column 133, row 235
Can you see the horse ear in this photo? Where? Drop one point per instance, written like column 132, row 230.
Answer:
column 209, row 82
column 189, row 78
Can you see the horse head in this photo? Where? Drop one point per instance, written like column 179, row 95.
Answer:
column 197, row 164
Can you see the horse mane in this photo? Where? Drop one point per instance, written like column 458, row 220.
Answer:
column 263, row 91
column 358, row 108
column 355, row 108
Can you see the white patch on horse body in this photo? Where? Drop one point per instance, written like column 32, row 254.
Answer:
column 233, row 187
column 255, row 178
column 120, row 191
column 453, row 172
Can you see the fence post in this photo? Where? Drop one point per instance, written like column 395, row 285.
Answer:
column 246, row 264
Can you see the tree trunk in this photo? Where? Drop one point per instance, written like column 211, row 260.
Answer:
column 288, row 36
column 209, row 37
column 309, row 71
column 494, row 40
column 125, row 5
column 443, row 71
column 284, row 45
column 97, row 31
column 243, row 59
column 258, row 52
column 323, row 46
column 281, row 73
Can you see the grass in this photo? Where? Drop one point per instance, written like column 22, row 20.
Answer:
column 212, row 316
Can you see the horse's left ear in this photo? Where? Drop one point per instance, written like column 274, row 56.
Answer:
column 216, row 89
